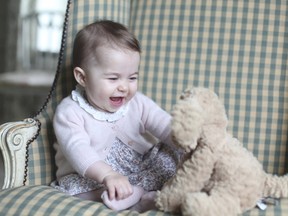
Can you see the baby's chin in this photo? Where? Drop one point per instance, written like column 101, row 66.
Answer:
column 111, row 109
column 104, row 109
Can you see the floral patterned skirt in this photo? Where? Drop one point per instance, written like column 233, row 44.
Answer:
column 149, row 171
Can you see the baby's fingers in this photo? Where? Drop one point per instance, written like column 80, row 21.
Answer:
column 124, row 192
column 111, row 192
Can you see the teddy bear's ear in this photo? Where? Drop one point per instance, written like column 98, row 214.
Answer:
column 184, row 140
column 186, row 124
column 188, row 93
column 216, row 112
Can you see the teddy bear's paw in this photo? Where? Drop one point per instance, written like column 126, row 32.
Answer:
column 167, row 202
column 200, row 204
column 195, row 204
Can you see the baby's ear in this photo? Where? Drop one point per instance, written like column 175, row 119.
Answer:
column 80, row 76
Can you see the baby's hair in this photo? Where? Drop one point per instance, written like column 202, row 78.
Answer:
column 101, row 33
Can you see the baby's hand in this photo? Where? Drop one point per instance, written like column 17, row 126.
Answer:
column 117, row 185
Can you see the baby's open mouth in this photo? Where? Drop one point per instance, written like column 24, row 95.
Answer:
column 117, row 101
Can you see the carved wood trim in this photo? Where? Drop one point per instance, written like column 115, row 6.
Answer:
column 14, row 138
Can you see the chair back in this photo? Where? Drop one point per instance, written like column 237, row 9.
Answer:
column 239, row 49
column 236, row 48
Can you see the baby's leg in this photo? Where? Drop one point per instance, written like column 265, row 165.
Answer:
column 157, row 169
column 118, row 205
column 94, row 195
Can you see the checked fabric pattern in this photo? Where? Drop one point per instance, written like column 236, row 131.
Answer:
column 238, row 48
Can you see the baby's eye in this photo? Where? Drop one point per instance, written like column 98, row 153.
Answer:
column 112, row 78
column 133, row 78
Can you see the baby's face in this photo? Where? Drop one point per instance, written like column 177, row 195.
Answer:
column 112, row 78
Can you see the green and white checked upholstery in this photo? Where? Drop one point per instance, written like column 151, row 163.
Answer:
column 238, row 48
column 43, row 200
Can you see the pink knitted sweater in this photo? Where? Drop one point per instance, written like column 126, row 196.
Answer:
column 85, row 135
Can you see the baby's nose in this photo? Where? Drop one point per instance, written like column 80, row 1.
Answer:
column 123, row 86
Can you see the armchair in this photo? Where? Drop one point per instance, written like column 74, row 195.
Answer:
column 237, row 48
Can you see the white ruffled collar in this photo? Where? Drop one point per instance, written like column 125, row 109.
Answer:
column 78, row 96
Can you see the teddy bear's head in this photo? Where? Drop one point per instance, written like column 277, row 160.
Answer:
column 197, row 110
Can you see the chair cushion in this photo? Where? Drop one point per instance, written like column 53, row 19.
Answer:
column 45, row 200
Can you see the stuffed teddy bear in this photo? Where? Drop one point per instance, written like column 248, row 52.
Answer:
column 218, row 175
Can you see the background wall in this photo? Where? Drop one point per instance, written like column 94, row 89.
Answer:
column 9, row 12
column 23, row 90
column 29, row 29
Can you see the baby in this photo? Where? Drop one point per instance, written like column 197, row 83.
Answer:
column 113, row 142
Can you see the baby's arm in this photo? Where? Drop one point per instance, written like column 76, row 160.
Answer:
column 155, row 119
column 117, row 185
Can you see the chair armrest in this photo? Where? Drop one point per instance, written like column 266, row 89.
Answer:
column 14, row 140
